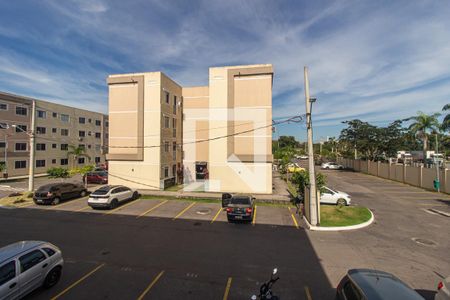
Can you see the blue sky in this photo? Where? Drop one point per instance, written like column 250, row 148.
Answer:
column 374, row 60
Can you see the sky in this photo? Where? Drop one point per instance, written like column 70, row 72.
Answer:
column 377, row 61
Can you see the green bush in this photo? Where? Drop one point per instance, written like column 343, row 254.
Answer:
column 301, row 179
column 58, row 172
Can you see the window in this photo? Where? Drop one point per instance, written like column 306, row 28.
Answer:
column 97, row 159
column 89, row 146
column 54, row 146
column 20, row 164
column 98, row 135
column 31, row 259
column 166, row 122
column 21, row 147
column 40, row 163
column 65, row 118
column 167, row 97
column 7, row 272
column 64, row 147
column 54, row 115
column 3, row 125
column 53, row 161
column 97, row 147
column 21, row 111
column 98, row 123
column 174, row 150
column 90, row 120
column 106, row 124
column 174, row 126
column 49, row 251
column 81, row 160
column 174, row 170
column 81, row 133
column 64, row 132
column 2, row 144
column 3, row 106
column 42, row 114
column 166, row 172
column 166, row 146
column 174, row 105
column 41, row 130
column 106, row 135
column 21, row 128
column 82, row 120
column 64, row 162
column 40, row 147
column 82, row 146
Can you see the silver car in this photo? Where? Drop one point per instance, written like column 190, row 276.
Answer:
column 27, row 265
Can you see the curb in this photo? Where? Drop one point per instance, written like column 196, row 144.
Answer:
column 339, row 228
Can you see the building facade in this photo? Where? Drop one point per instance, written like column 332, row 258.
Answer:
column 214, row 138
column 57, row 128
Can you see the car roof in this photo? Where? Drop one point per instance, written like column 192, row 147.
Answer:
column 16, row 248
column 108, row 187
column 379, row 285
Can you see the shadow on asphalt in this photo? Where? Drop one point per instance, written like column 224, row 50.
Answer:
column 198, row 257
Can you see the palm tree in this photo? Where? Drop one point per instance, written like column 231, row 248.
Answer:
column 76, row 152
column 422, row 125
column 446, row 122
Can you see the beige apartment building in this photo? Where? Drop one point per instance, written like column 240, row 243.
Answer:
column 56, row 128
column 214, row 138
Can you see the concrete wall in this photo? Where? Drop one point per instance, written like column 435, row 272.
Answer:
column 413, row 175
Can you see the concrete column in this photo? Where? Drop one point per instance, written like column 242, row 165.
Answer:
column 421, row 176
column 389, row 169
column 404, row 173
column 378, row 168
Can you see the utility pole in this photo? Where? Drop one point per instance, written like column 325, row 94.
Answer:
column 32, row 147
column 436, row 162
column 313, row 207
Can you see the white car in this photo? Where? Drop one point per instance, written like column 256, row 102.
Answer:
column 330, row 196
column 443, row 292
column 110, row 196
column 28, row 265
column 332, row 166
column 303, row 157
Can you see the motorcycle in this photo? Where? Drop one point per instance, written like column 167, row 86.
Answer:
column 265, row 291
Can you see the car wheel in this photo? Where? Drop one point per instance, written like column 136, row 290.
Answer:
column 341, row 202
column 135, row 196
column 114, row 204
column 56, row 201
column 52, row 277
column 83, row 193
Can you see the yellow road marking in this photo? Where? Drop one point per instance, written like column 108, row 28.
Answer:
column 308, row 293
column 121, row 207
column 294, row 219
column 77, row 282
column 217, row 214
column 183, row 211
column 254, row 217
column 150, row 286
column 227, row 288
column 81, row 209
column 154, row 207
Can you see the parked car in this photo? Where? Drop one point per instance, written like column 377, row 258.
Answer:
column 443, row 290
column 110, row 196
column 28, row 265
column 292, row 168
column 330, row 196
column 332, row 166
column 366, row 284
column 53, row 193
column 100, row 177
column 238, row 207
column 303, row 157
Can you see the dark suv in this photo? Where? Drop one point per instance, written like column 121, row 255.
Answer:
column 55, row 192
column 239, row 207
column 366, row 284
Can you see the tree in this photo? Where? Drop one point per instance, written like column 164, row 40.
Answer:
column 446, row 122
column 422, row 125
column 287, row 141
column 76, row 152
column 301, row 180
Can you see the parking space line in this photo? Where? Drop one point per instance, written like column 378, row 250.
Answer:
column 154, row 207
column 293, row 218
column 121, row 207
column 65, row 203
column 308, row 293
column 81, row 209
column 183, row 211
column 227, row 288
column 77, row 282
column 217, row 214
column 254, row 216
column 150, row 285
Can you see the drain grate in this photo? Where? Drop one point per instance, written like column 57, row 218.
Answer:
column 424, row 242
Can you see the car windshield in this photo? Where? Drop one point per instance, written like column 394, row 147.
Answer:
column 103, row 190
column 240, row 200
